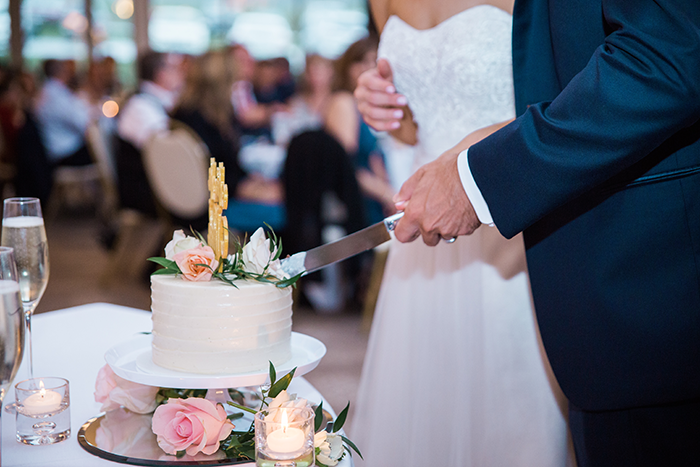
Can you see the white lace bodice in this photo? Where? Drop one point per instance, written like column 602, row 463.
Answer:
column 457, row 76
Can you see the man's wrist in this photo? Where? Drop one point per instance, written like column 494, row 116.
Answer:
column 472, row 190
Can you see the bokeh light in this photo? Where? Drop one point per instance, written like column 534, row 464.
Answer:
column 124, row 9
column 110, row 109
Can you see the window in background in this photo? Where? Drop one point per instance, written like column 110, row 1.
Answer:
column 53, row 29
column 4, row 31
column 268, row 28
column 113, row 36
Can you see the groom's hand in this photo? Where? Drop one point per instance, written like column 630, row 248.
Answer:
column 377, row 99
column 434, row 203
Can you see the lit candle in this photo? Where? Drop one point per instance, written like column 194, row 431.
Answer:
column 285, row 440
column 42, row 402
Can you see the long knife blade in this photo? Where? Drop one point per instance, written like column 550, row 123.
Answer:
column 344, row 248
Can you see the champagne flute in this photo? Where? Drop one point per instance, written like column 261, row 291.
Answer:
column 11, row 326
column 23, row 230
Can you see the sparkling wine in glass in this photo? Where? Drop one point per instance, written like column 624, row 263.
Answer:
column 23, row 230
column 11, row 324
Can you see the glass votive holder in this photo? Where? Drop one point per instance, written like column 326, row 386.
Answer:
column 43, row 410
column 285, row 437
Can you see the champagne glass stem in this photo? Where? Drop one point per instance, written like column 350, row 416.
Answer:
column 28, row 310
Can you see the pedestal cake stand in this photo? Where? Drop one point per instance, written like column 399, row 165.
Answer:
column 132, row 361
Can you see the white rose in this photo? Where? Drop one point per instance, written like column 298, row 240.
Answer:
column 330, row 448
column 276, row 270
column 180, row 242
column 289, row 402
column 257, row 256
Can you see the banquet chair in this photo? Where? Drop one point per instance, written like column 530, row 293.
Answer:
column 101, row 152
column 177, row 163
column 74, row 186
column 125, row 228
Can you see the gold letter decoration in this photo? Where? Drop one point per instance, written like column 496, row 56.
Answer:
column 217, row 236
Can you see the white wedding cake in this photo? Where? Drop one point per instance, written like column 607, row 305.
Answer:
column 211, row 327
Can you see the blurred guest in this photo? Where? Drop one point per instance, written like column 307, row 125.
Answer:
column 274, row 81
column 62, row 116
column 343, row 122
column 308, row 107
column 33, row 169
column 201, row 108
column 100, row 84
column 145, row 114
column 253, row 116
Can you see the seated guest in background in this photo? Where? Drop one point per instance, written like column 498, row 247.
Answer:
column 274, row 81
column 212, row 118
column 253, row 116
column 143, row 115
column 99, row 84
column 343, row 122
column 308, row 107
column 203, row 110
column 146, row 112
column 63, row 118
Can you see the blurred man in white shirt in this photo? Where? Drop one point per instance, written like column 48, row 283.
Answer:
column 63, row 118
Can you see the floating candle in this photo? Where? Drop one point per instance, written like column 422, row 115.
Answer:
column 43, row 402
column 285, row 440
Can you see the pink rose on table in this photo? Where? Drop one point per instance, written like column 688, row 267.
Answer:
column 197, row 264
column 113, row 391
column 193, row 425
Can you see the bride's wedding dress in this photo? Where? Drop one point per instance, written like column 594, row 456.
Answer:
column 455, row 374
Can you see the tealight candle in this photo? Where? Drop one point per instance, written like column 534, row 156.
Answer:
column 287, row 439
column 42, row 402
column 43, row 410
column 279, row 442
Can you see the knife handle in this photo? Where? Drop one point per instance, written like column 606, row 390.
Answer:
column 391, row 221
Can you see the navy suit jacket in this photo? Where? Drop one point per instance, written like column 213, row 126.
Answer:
column 601, row 170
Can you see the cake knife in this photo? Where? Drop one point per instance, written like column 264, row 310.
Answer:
column 305, row 262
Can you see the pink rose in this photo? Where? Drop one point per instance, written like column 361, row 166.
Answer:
column 113, row 391
column 192, row 424
column 197, row 264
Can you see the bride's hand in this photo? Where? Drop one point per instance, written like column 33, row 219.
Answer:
column 377, row 99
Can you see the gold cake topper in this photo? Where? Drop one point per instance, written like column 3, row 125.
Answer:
column 217, row 236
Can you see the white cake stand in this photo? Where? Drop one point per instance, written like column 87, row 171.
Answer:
column 132, row 361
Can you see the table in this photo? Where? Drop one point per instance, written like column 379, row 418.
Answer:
column 71, row 343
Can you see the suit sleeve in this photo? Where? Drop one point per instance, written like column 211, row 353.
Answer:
column 640, row 87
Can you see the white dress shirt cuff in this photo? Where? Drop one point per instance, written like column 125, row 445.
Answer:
column 472, row 190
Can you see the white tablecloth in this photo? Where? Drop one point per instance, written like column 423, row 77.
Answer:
column 71, row 343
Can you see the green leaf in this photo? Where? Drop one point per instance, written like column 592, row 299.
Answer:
column 273, row 374
column 235, row 416
column 318, row 417
column 282, row 384
column 161, row 272
column 199, row 236
column 352, row 445
column 166, row 263
column 340, row 419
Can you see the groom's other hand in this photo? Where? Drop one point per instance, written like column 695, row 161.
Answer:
column 434, row 203
column 377, row 99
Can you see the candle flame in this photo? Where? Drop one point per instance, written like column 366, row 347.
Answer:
column 42, row 391
column 285, row 421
